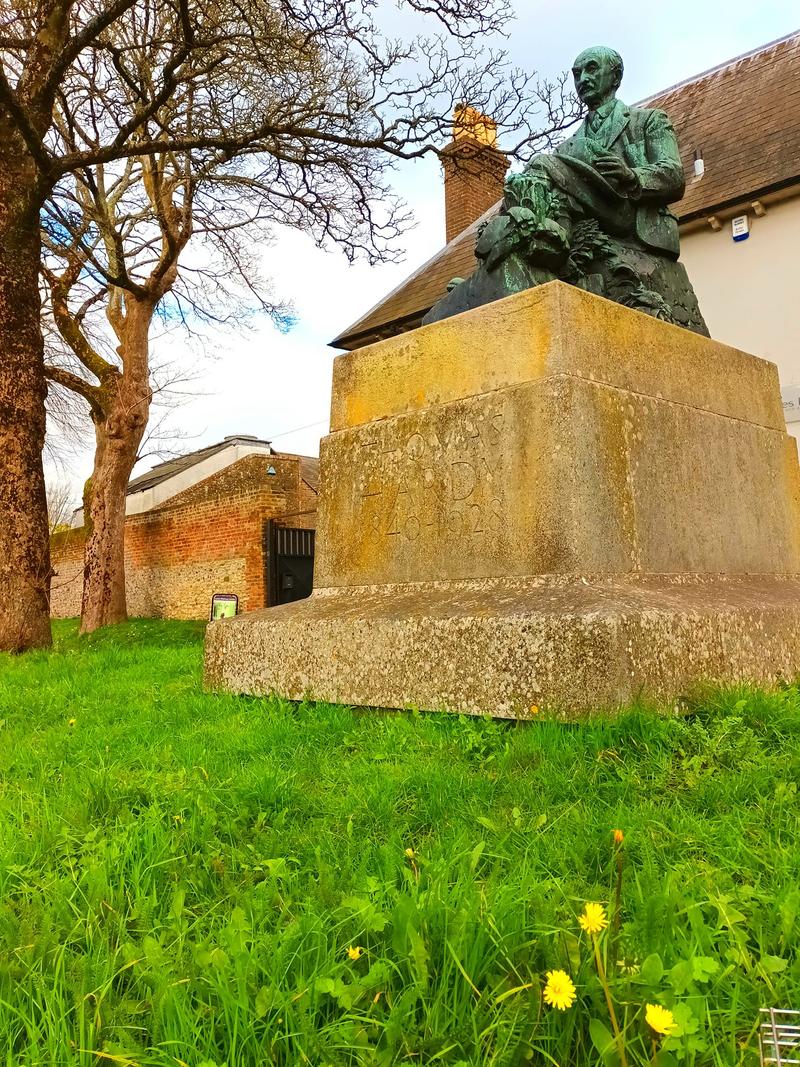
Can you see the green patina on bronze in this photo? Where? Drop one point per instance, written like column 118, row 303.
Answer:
column 594, row 213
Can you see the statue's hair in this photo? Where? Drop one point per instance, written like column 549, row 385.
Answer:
column 610, row 54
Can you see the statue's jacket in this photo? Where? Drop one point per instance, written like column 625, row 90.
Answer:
column 645, row 139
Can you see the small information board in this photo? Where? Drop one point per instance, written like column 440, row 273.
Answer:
column 224, row 606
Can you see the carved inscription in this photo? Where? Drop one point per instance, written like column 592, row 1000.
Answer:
column 442, row 482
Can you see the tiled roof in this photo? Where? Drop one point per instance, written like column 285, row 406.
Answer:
column 743, row 115
column 309, row 465
column 309, row 470
column 162, row 471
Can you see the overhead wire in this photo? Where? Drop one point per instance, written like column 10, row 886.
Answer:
column 297, row 429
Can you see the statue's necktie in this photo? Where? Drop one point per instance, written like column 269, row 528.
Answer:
column 595, row 121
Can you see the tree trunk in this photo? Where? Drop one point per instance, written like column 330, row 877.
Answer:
column 24, row 541
column 118, row 434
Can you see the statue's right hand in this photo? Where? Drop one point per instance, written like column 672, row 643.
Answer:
column 616, row 171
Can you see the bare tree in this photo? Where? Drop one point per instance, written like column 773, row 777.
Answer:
column 113, row 238
column 121, row 254
column 303, row 102
column 60, row 505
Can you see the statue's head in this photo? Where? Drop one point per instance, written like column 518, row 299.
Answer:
column 598, row 74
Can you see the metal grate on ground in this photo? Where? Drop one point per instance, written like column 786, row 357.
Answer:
column 779, row 1037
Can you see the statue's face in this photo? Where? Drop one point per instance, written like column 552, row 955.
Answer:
column 596, row 77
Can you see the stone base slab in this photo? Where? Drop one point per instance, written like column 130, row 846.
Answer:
column 499, row 646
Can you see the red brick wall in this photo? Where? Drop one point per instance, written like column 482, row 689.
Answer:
column 473, row 181
column 207, row 539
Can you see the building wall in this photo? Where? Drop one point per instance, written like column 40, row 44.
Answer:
column 66, row 554
column 748, row 290
column 207, row 539
column 158, row 494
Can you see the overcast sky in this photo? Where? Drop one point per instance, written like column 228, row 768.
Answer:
column 278, row 386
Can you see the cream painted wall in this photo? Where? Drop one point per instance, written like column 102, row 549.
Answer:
column 749, row 291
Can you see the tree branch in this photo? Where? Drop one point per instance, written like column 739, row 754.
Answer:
column 68, row 380
column 69, row 328
column 75, row 45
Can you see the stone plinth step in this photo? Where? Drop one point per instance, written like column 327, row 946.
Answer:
column 500, row 646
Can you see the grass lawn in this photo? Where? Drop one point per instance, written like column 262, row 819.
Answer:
column 207, row 880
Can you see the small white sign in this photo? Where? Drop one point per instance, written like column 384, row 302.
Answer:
column 740, row 228
column 790, row 394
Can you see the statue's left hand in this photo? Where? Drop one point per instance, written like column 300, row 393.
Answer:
column 617, row 172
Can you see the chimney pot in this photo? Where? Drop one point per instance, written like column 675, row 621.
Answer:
column 467, row 122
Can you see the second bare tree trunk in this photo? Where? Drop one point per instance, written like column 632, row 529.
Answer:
column 118, row 432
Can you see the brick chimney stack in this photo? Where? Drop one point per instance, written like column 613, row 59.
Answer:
column 474, row 170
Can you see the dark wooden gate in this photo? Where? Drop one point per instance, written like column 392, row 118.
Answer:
column 290, row 563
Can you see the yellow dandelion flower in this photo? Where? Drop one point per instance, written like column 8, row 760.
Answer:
column 559, row 991
column 355, row 952
column 410, row 853
column 72, row 722
column 619, row 837
column 593, row 919
column 534, row 709
column 660, row 1019
column 178, row 819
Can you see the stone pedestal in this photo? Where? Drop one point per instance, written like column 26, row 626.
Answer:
column 550, row 500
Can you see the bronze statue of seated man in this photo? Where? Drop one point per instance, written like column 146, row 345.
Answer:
column 594, row 212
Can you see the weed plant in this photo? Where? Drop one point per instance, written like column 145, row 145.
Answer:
column 195, row 879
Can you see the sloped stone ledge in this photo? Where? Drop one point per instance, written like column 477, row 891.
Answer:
column 498, row 646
